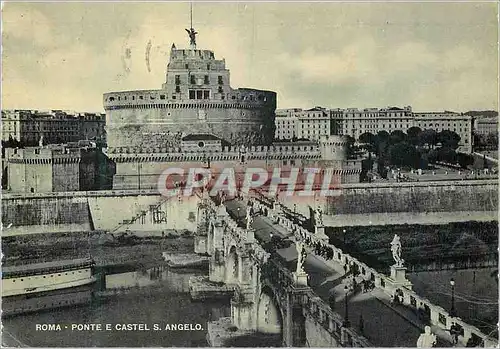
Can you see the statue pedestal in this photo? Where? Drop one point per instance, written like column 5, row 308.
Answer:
column 398, row 277
column 250, row 235
column 200, row 244
column 319, row 232
column 300, row 278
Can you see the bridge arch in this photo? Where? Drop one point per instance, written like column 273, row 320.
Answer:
column 232, row 266
column 270, row 315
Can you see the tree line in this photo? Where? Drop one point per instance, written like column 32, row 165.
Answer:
column 486, row 142
column 415, row 149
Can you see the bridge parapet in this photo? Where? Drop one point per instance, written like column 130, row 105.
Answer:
column 261, row 280
column 332, row 322
column 437, row 315
column 313, row 307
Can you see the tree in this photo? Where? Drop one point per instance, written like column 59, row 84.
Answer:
column 367, row 164
column 404, row 154
column 383, row 135
column 382, row 171
column 397, row 136
column 413, row 135
column 448, row 155
column 367, row 138
column 478, row 141
column 448, row 139
column 465, row 160
column 433, row 156
column 370, row 140
column 429, row 137
column 350, row 146
column 492, row 140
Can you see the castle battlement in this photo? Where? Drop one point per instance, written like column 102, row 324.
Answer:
column 157, row 99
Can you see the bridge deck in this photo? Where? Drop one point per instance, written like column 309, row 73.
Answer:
column 385, row 325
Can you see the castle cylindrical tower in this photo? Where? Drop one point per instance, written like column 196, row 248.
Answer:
column 196, row 98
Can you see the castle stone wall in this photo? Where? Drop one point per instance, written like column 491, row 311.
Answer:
column 163, row 125
column 82, row 211
column 45, row 214
column 443, row 196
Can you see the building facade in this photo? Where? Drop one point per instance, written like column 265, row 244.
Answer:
column 143, row 170
column 53, row 127
column 310, row 124
column 439, row 121
column 486, row 126
column 286, row 123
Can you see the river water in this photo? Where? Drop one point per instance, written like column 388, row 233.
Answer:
column 158, row 296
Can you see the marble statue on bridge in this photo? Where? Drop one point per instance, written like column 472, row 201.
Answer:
column 426, row 339
column 318, row 217
column 275, row 201
column 249, row 221
column 301, row 257
column 396, row 251
column 222, row 197
column 249, row 211
column 249, row 217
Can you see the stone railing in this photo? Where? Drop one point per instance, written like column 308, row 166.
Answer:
column 245, row 238
column 314, row 306
column 71, row 194
column 489, row 158
column 277, row 273
column 438, row 316
column 332, row 322
column 349, row 186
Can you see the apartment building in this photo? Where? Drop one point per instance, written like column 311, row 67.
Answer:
column 314, row 123
column 53, row 127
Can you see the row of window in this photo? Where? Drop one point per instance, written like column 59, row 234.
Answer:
column 193, row 80
column 199, row 94
column 52, row 275
column 183, row 106
column 208, row 64
column 178, row 90
column 375, row 115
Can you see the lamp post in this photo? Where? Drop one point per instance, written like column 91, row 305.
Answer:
column 139, row 175
column 452, row 283
column 344, row 231
column 346, row 317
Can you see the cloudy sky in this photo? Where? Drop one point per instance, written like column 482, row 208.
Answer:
column 433, row 56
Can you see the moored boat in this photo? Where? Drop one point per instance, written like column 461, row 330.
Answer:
column 38, row 286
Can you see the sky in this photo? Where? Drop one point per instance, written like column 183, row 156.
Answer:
column 432, row 56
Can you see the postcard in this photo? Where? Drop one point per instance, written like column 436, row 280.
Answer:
column 249, row 174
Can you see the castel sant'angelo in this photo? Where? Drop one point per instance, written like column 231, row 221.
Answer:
column 197, row 119
column 196, row 98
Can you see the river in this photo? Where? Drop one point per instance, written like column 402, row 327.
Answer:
column 158, row 296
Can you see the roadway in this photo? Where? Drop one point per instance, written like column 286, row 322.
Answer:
column 384, row 324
